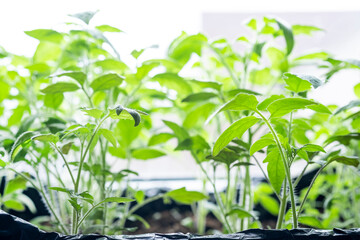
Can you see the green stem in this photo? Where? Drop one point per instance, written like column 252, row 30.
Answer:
column 42, row 192
column 216, row 194
column 286, row 166
column 301, row 175
column 282, row 208
column 226, row 65
column 66, row 163
column 308, row 190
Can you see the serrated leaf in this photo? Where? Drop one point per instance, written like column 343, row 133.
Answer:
column 312, row 148
column 202, row 96
column 266, row 102
column 121, row 112
column 260, row 144
column 284, row 106
column 146, row 153
column 107, row 28
column 173, row 81
column 23, row 138
column 84, row 16
column 80, row 77
column 92, row 112
column 186, row 197
column 300, row 83
column 46, row 138
column 118, row 199
column 109, row 135
column 60, row 87
column 106, row 81
column 160, row 138
column 305, row 29
column 275, row 169
column 53, row 100
column 46, row 35
column 241, row 101
column 237, row 129
column 14, row 204
column 240, row 213
column 180, row 132
column 288, row 35
column 310, row 221
column 15, row 184
column 347, row 160
column 352, row 104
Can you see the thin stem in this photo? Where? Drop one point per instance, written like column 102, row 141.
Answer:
column 42, row 192
column 282, row 208
column 287, row 169
column 301, row 175
column 226, row 65
column 66, row 163
column 266, row 177
column 216, row 194
column 308, row 190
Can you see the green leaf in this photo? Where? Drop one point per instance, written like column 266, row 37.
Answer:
column 343, row 139
column 300, row 83
column 198, row 115
column 53, row 100
column 93, row 112
column 107, row 28
column 60, row 87
column 288, row 34
column 4, row 90
column 226, row 155
column 139, row 196
column 205, row 84
column 173, row 81
column 237, row 129
column 2, row 163
column 202, row 96
column 80, row 77
column 109, row 135
column 270, row 204
column 242, row 101
column 147, row 153
column 118, row 199
column 316, row 55
column 46, row 138
column 240, row 213
column 352, row 104
column 112, row 65
column 60, row 189
column 356, row 90
column 264, row 104
column 66, row 148
column 22, row 139
column 121, row 112
column 252, row 24
column 84, row 16
column 305, row 29
column 310, row 221
column 184, row 46
column 106, row 81
column 319, row 108
column 15, row 184
column 260, row 144
column 312, row 148
column 196, row 143
column 284, row 106
column 14, row 204
column 180, row 132
column 275, row 169
column 184, row 196
column 347, row 160
column 46, row 35
column 160, row 138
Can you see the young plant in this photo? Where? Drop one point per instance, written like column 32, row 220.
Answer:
column 281, row 152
